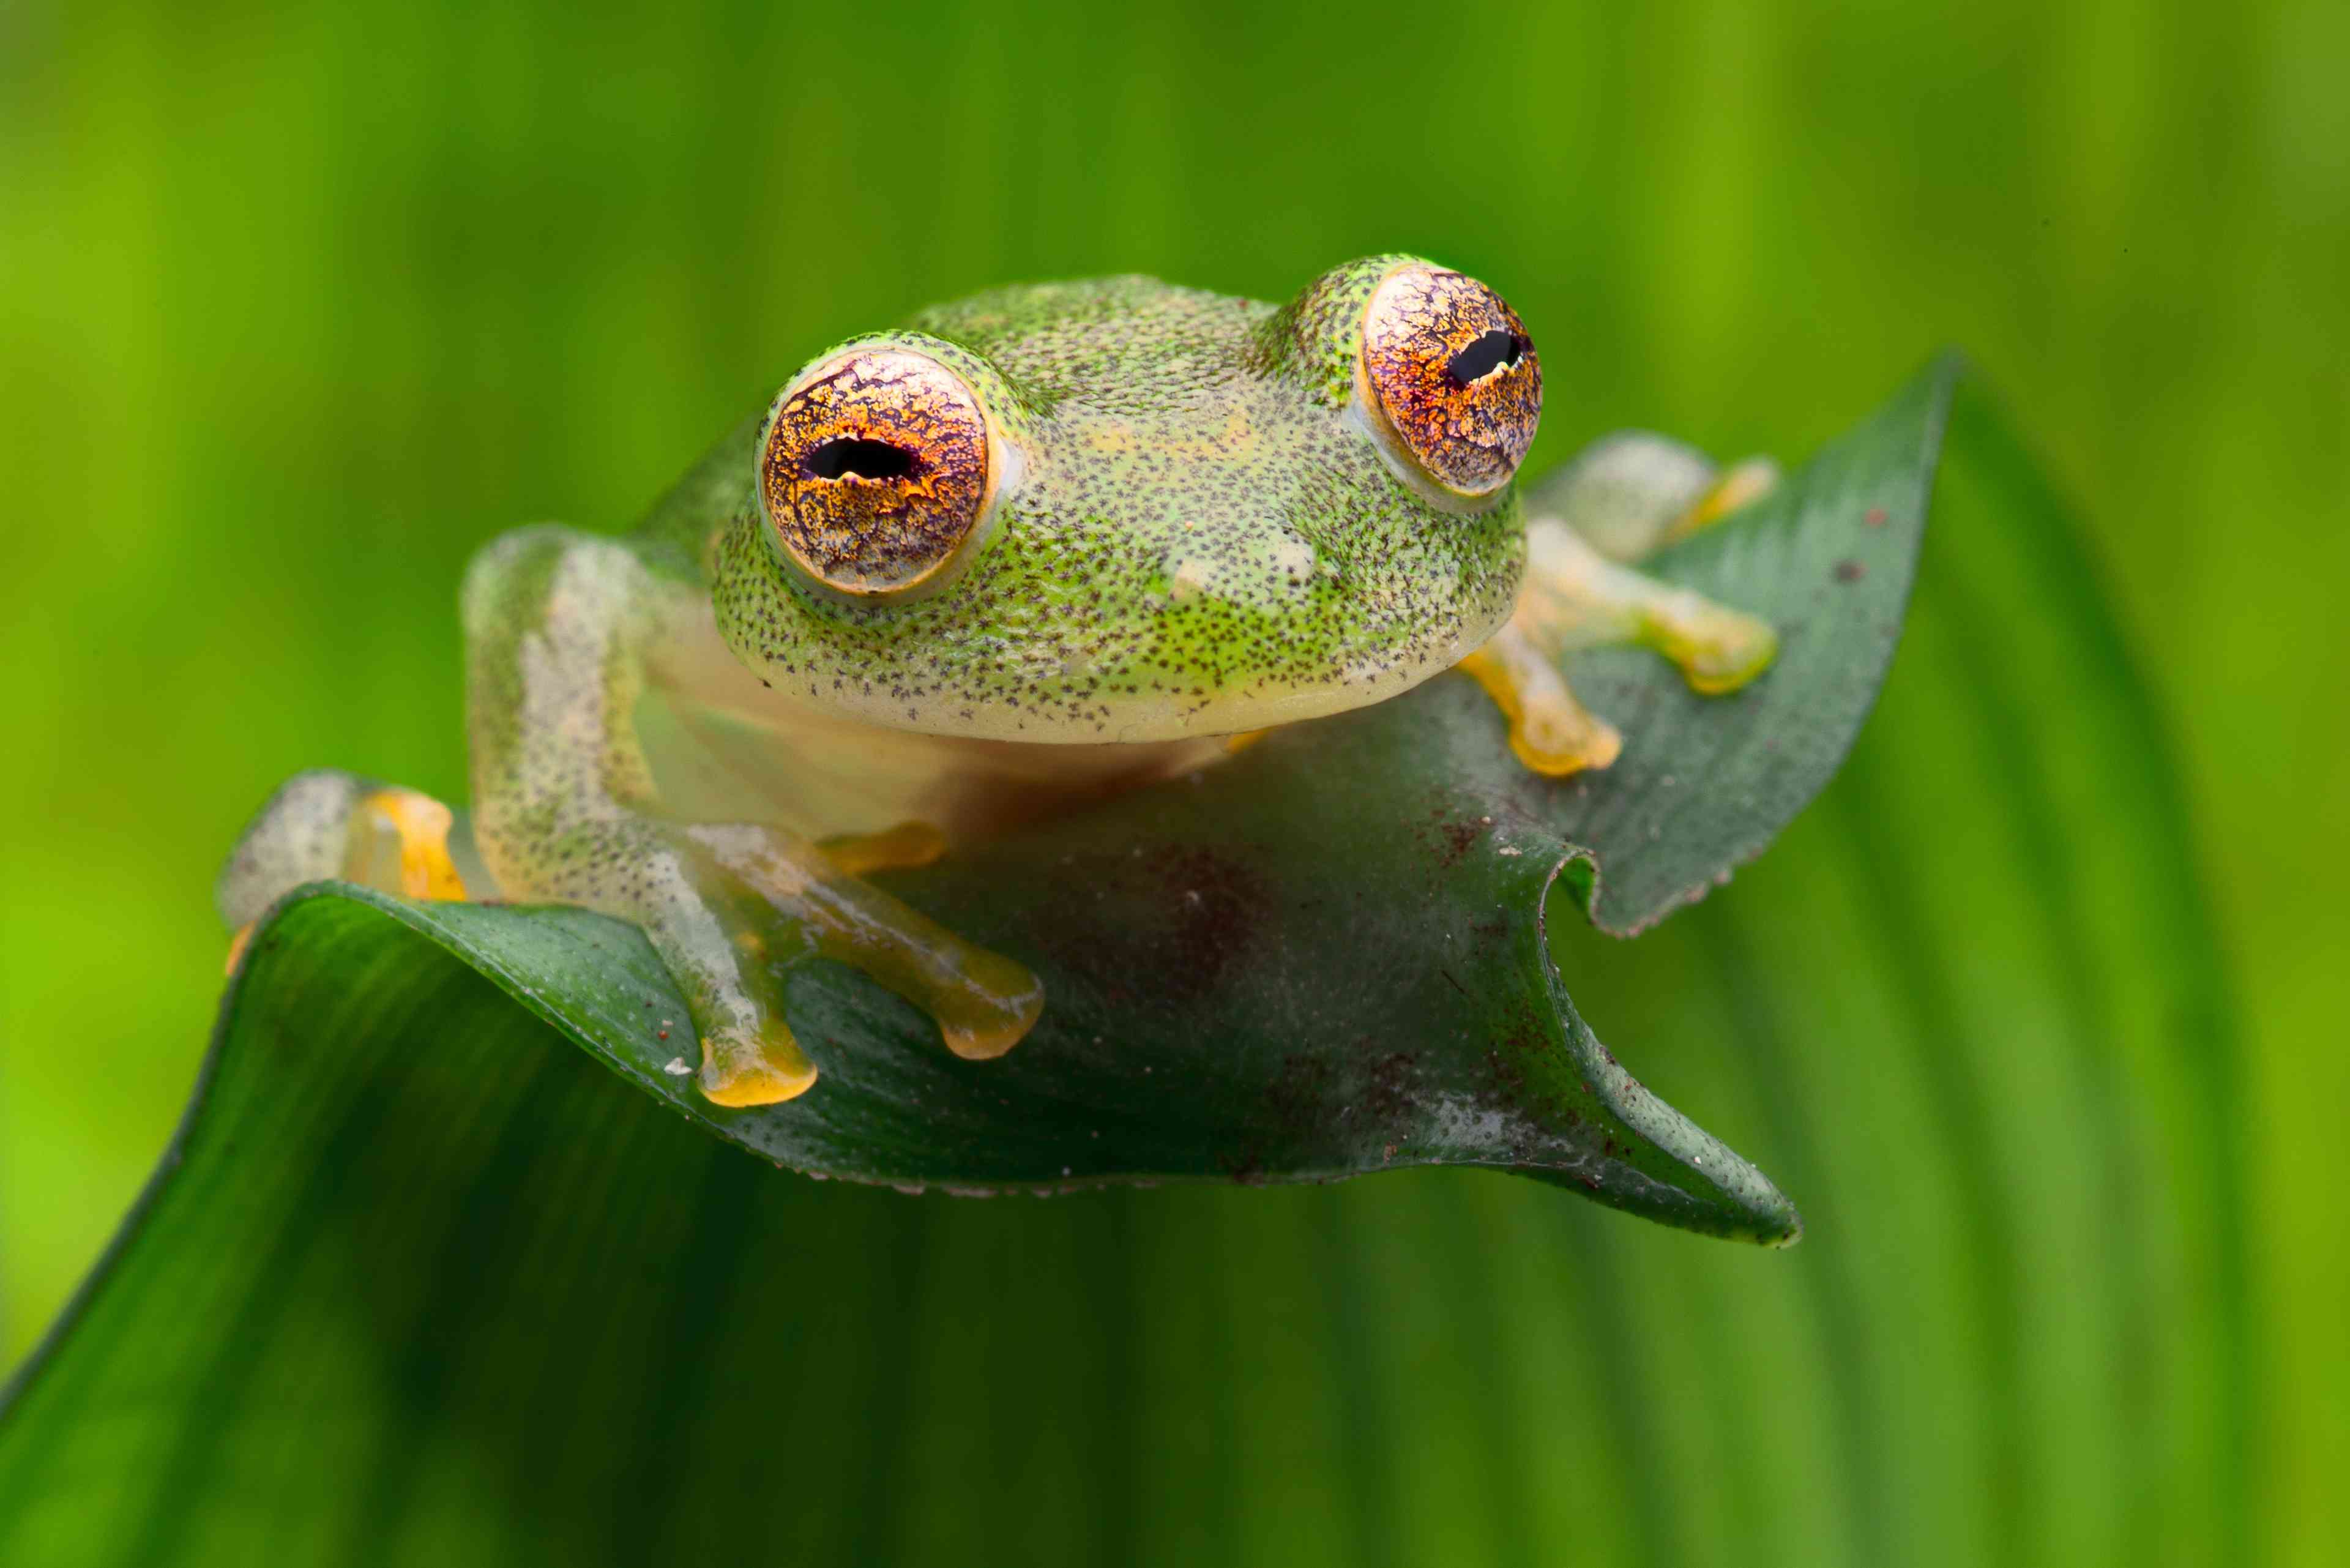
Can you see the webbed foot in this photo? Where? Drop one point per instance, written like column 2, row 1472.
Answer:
column 730, row 907
column 983, row 1003
column 1551, row 731
column 1628, row 495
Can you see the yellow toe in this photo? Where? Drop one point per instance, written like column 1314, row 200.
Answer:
column 1741, row 485
column 996, row 1015
column 421, row 824
column 766, row 1073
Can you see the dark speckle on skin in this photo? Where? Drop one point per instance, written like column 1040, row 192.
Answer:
column 1114, row 511
column 1199, row 525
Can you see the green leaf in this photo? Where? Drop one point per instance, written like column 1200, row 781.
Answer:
column 1329, row 956
column 419, row 1280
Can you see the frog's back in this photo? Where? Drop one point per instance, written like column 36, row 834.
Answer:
column 1129, row 344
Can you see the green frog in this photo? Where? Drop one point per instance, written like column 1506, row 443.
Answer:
column 1034, row 548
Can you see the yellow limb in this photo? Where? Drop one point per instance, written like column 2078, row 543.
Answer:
column 1576, row 597
column 1719, row 649
column 983, row 1003
column 400, row 843
column 1550, row 731
column 902, row 847
column 1741, row 485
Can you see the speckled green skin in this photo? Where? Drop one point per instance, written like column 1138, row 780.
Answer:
column 1201, row 535
column 1195, row 532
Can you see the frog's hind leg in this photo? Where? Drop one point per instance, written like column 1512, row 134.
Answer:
column 328, row 824
column 1632, row 493
column 1627, row 496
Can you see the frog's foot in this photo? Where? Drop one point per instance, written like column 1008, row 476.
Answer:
column 328, row 823
column 399, row 841
column 1550, row 731
column 1719, row 649
column 1741, row 484
column 729, row 907
column 1632, row 493
column 1575, row 597
column 983, row 1003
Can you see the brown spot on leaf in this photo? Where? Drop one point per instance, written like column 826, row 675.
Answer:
column 1386, row 1098
column 1300, row 1096
column 1180, row 915
column 1459, row 837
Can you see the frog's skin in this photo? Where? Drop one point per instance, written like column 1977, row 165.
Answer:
column 1033, row 547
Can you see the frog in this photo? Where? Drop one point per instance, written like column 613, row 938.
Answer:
column 1021, row 554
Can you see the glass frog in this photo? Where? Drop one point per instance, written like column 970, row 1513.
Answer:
column 1038, row 546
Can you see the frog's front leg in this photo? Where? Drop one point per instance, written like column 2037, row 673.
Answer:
column 559, row 627
column 1626, row 497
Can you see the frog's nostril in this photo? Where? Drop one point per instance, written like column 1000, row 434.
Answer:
column 1496, row 351
column 850, row 458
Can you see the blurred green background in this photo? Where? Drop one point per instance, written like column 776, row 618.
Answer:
column 298, row 306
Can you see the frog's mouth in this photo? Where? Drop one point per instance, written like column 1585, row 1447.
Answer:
column 1201, row 668
column 1153, row 695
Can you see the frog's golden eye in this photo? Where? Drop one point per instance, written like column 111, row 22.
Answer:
column 1447, row 368
column 875, row 471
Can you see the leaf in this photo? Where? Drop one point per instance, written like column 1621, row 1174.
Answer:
column 417, row 1282
column 1705, row 783
column 1329, row 956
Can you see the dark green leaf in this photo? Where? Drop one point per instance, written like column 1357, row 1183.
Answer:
column 1329, row 956
column 419, row 1283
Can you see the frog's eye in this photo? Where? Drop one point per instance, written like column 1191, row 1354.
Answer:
column 875, row 471
column 1447, row 368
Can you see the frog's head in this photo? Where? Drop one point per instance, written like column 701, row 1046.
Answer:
column 1122, row 510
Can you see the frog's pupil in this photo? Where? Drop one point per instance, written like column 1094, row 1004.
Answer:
column 1494, row 350
column 851, row 457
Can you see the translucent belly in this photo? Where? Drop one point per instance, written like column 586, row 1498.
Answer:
column 725, row 749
